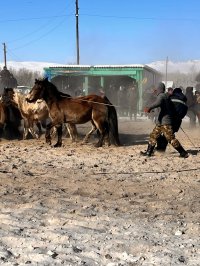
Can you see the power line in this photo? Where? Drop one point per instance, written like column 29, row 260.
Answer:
column 11, row 53
column 41, row 27
column 101, row 16
column 140, row 18
column 31, row 33
column 42, row 36
column 36, row 18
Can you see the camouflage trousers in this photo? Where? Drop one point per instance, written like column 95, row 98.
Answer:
column 167, row 132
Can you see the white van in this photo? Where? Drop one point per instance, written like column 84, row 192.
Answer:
column 23, row 89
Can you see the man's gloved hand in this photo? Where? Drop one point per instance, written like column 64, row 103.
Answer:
column 146, row 110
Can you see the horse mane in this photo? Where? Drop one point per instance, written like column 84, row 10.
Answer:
column 62, row 94
column 54, row 89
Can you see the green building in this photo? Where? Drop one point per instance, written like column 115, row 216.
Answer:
column 78, row 79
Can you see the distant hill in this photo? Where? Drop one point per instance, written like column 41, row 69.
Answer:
column 33, row 66
column 184, row 67
column 172, row 67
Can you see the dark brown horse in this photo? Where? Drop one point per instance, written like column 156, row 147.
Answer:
column 10, row 119
column 2, row 117
column 80, row 110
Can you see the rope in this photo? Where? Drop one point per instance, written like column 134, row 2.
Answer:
column 77, row 98
column 149, row 172
column 189, row 138
column 96, row 102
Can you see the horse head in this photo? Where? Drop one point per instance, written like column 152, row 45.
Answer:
column 37, row 92
column 43, row 89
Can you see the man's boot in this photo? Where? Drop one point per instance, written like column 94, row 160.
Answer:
column 149, row 150
column 183, row 153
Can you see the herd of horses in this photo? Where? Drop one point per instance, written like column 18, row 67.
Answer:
column 46, row 106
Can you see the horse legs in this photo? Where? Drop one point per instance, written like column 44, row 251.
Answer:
column 86, row 138
column 103, row 132
column 38, row 124
column 31, row 129
column 28, row 127
column 59, row 133
column 33, row 133
column 25, row 132
column 48, row 133
column 1, row 130
column 72, row 131
column 53, row 132
column 198, row 116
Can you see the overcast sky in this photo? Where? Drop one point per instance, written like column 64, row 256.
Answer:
column 111, row 31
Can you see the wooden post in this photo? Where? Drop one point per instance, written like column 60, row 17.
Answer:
column 77, row 35
column 5, row 61
column 166, row 73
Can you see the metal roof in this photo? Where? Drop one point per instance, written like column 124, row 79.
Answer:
column 104, row 66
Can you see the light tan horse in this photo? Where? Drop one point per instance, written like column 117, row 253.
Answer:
column 32, row 113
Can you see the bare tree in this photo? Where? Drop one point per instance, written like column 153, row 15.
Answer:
column 25, row 77
column 183, row 79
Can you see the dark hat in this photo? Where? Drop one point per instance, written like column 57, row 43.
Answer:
column 177, row 90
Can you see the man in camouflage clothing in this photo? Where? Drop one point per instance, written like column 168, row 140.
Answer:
column 164, row 123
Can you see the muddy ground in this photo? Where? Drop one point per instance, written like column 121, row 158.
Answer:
column 79, row 205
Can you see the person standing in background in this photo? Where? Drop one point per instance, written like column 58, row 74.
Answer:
column 132, row 101
column 191, row 106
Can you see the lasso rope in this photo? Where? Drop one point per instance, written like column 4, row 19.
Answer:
column 75, row 99
column 189, row 139
column 149, row 172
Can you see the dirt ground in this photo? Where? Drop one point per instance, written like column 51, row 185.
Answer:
column 79, row 205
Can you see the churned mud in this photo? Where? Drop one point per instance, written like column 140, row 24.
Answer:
column 79, row 205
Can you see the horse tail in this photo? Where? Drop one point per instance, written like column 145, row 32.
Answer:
column 112, row 123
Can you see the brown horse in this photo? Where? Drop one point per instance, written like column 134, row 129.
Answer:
column 80, row 110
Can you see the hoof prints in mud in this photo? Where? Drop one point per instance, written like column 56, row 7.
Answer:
column 78, row 205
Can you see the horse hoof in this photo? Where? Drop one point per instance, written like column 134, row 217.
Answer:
column 83, row 143
column 57, row 145
column 97, row 145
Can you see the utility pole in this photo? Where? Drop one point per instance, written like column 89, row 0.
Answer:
column 77, row 34
column 4, row 50
column 166, row 72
